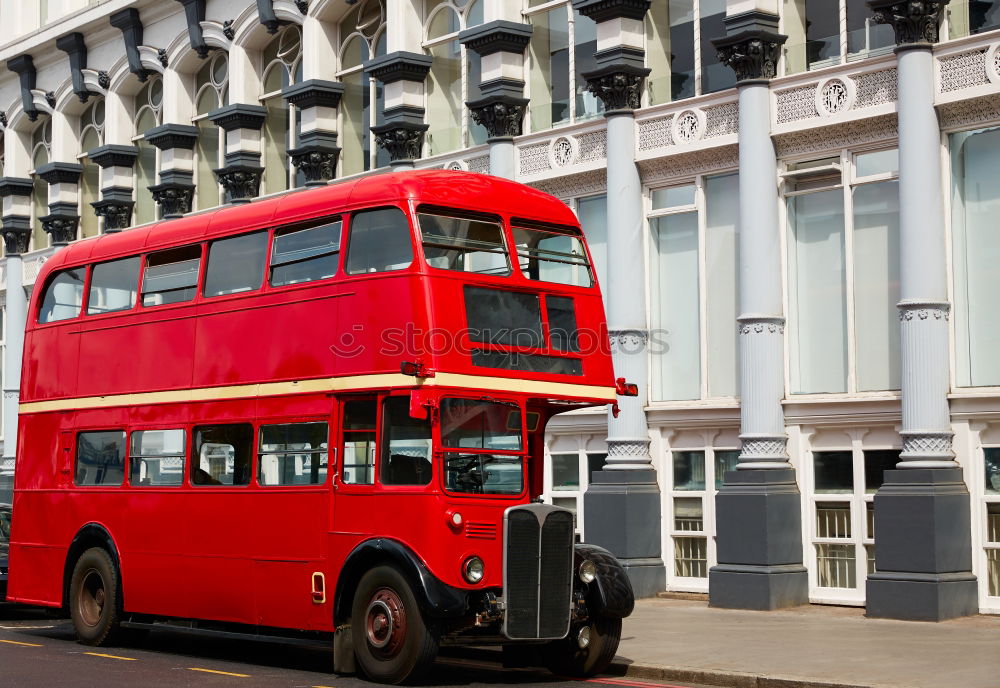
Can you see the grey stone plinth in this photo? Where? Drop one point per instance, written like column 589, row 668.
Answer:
column 758, row 531
column 622, row 514
column 923, row 547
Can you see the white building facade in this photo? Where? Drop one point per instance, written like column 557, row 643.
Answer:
column 752, row 229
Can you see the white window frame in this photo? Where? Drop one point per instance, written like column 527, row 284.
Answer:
column 372, row 45
column 982, row 545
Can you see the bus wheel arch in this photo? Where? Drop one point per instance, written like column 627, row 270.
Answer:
column 90, row 536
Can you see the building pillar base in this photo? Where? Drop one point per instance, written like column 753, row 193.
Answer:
column 923, row 547
column 758, row 530
column 622, row 514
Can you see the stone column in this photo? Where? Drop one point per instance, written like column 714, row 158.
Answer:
column 758, row 517
column 241, row 175
column 116, row 163
column 16, row 195
column 316, row 152
column 501, row 108
column 622, row 504
column 175, row 191
column 402, row 132
column 63, row 219
column 923, row 541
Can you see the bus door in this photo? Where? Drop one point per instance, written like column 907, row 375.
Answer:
column 354, row 482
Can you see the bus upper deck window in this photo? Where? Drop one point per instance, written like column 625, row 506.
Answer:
column 235, row 264
column 379, row 241
column 552, row 256
column 305, row 255
column 467, row 245
column 171, row 276
column 63, row 297
column 113, row 286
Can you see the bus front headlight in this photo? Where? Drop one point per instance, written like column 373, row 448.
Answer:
column 473, row 569
column 588, row 571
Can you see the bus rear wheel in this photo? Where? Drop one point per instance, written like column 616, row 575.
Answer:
column 93, row 597
column 392, row 642
column 600, row 640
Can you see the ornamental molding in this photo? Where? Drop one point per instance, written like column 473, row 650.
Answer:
column 241, row 182
column 628, row 341
column 965, row 70
column 755, row 448
column 318, row 165
column 919, row 444
column 574, row 185
column 970, row 113
column 924, row 310
column 402, row 142
column 756, row 324
column 480, row 164
column 618, row 86
column 836, row 136
column 15, row 240
column 753, row 55
column 501, row 117
column 173, row 198
column 688, row 126
column 456, row 166
column 687, row 164
column 563, row 151
column 993, row 63
column 915, row 22
column 835, row 96
column 629, row 449
column 117, row 214
column 61, row 228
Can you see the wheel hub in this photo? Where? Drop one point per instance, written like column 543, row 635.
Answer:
column 92, row 598
column 385, row 622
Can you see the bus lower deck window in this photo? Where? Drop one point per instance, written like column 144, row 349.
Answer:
column 156, row 458
column 358, row 464
column 100, row 458
column 222, row 454
column 292, row 454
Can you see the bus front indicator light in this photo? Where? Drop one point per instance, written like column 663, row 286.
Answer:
column 473, row 569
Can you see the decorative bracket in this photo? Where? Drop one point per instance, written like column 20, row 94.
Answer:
column 194, row 12
column 267, row 17
column 73, row 45
column 25, row 69
column 127, row 20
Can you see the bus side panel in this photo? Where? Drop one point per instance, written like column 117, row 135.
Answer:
column 54, row 350
column 374, row 319
column 36, row 564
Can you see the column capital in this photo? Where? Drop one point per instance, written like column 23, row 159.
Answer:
column 16, row 234
column 174, row 198
column 317, row 161
column 752, row 45
column 619, row 86
column 114, row 155
column 497, row 36
column 501, row 116
column 402, row 140
column 117, row 214
column 916, row 23
column 242, row 182
column 239, row 116
column 603, row 10
column 61, row 227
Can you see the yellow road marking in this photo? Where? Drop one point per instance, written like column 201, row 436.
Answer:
column 14, row 642
column 98, row 654
column 224, row 673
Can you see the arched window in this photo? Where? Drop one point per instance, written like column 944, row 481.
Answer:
column 362, row 38
column 41, row 152
column 211, row 92
column 148, row 106
column 91, row 137
column 454, row 77
column 282, row 65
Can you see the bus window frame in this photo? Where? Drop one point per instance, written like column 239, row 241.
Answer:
column 403, row 206
column 202, row 261
column 299, row 226
column 429, row 486
column 207, row 256
column 286, row 419
column 416, row 208
column 90, row 285
column 339, row 402
column 36, row 315
column 541, row 226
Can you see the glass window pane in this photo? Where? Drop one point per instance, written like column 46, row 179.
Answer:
column 822, row 32
column 675, row 337
column 156, row 458
column 171, row 276
column 305, row 255
column 724, row 461
column 222, row 454
column 549, row 68
column 379, row 241
column 113, row 286
column 292, row 454
column 691, row 557
column 863, row 34
column 688, row 514
column 976, row 255
column 235, row 265
column 833, row 519
column 63, row 297
column 993, row 523
column 463, row 244
column 585, row 40
column 715, row 76
column 100, row 458
column 991, row 458
column 566, row 471
column 834, row 472
column 275, row 142
column 878, row 162
column 354, row 119
column 505, row 318
column 562, row 323
column 817, row 293
column 471, row 424
column 835, row 566
column 722, row 297
column 358, row 466
column 551, row 256
column 406, row 445
column 681, row 48
column 673, row 197
column 595, row 462
column 445, row 105
column 877, row 462
column 876, row 286
column 689, row 470
column 593, row 215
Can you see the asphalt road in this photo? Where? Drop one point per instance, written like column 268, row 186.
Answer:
column 36, row 650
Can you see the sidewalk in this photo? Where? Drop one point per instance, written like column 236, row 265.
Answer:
column 816, row 646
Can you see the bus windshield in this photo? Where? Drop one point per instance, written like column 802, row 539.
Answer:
column 481, row 442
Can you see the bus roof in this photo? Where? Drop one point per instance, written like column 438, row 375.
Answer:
column 465, row 190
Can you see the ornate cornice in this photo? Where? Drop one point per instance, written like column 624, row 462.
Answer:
column 60, row 172
column 602, row 10
column 61, row 227
column 168, row 136
column 174, row 198
column 15, row 186
column 915, row 22
column 399, row 66
column 497, row 36
column 761, row 324
column 317, row 162
column 501, row 116
column 753, row 55
column 117, row 214
column 402, row 141
column 114, row 155
column 314, row 92
column 242, row 182
column 239, row 116
column 618, row 86
column 924, row 310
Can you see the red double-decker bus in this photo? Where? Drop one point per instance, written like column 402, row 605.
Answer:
column 323, row 413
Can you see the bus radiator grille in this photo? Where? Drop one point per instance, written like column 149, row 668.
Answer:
column 538, row 571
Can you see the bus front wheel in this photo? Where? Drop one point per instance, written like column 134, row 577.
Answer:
column 93, row 597
column 599, row 640
column 392, row 642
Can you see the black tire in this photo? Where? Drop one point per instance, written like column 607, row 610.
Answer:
column 566, row 658
column 392, row 642
column 93, row 598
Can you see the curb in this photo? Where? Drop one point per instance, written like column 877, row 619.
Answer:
column 723, row 679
